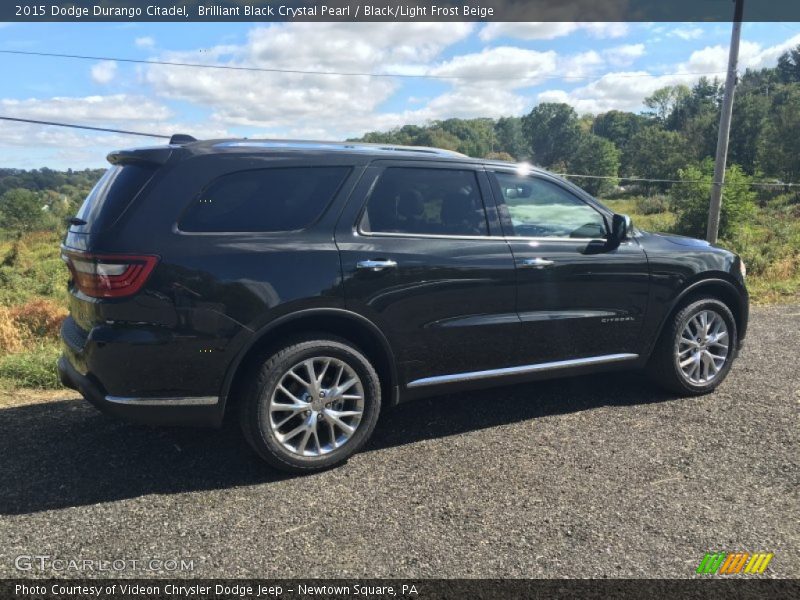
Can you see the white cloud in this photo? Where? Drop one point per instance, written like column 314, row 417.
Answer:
column 104, row 71
column 623, row 56
column 687, row 32
column 550, row 30
column 63, row 147
column 626, row 90
column 514, row 67
column 113, row 109
column 144, row 42
column 579, row 66
column 286, row 101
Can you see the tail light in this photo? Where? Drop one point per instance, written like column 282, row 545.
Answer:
column 109, row 275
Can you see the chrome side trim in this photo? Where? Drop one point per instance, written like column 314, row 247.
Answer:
column 521, row 370
column 496, row 238
column 186, row 401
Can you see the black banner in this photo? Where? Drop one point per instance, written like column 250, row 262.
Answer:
column 382, row 10
column 390, row 589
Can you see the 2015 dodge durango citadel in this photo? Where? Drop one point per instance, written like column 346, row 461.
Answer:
column 306, row 285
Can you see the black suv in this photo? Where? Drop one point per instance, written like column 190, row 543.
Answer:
column 309, row 284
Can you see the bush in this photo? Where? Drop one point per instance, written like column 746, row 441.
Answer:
column 690, row 200
column 652, row 205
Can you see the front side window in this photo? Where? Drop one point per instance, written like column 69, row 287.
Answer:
column 539, row 208
column 427, row 202
column 283, row 199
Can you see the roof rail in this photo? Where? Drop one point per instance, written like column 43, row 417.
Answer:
column 342, row 146
column 181, row 138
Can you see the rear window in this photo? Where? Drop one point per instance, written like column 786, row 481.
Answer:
column 111, row 196
column 282, row 199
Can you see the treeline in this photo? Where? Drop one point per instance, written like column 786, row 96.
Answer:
column 42, row 198
column 678, row 130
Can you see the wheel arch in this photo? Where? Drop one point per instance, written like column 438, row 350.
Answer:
column 716, row 287
column 345, row 324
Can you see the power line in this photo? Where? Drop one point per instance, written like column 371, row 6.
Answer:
column 573, row 175
column 338, row 73
column 104, row 129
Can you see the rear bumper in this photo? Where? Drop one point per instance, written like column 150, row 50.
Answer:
column 192, row 411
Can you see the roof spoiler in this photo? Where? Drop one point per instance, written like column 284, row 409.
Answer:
column 178, row 139
column 156, row 155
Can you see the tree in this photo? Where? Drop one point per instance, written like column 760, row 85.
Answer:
column 510, row 138
column 750, row 112
column 663, row 101
column 788, row 68
column 21, row 210
column 619, row 127
column 654, row 153
column 779, row 147
column 595, row 156
column 690, row 199
column 553, row 132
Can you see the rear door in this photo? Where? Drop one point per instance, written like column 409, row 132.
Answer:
column 576, row 299
column 420, row 260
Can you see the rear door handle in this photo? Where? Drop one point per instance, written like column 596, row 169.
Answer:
column 535, row 263
column 376, row 265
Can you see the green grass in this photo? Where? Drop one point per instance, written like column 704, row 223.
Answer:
column 32, row 368
column 32, row 268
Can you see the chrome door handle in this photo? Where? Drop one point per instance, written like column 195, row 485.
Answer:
column 376, row 265
column 537, row 263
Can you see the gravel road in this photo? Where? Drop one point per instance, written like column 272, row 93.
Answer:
column 595, row 476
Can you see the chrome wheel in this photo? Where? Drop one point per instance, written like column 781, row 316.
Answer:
column 703, row 347
column 316, row 406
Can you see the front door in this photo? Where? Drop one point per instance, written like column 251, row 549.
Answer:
column 576, row 299
column 420, row 261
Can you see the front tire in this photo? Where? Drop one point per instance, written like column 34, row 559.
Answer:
column 311, row 405
column 696, row 349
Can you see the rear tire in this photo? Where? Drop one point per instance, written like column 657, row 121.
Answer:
column 696, row 349
column 301, row 423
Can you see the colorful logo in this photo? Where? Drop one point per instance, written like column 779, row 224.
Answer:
column 725, row 563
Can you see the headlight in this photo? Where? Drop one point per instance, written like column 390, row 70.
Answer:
column 742, row 268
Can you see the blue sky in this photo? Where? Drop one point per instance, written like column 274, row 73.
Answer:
column 510, row 68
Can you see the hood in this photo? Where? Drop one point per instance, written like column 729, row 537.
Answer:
column 681, row 240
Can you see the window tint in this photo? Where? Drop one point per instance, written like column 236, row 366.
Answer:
column 264, row 200
column 426, row 201
column 112, row 195
column 538, row 208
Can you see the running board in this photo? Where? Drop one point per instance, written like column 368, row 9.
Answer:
column 523, row 369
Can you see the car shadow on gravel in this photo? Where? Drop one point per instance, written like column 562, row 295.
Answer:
column 64, row 454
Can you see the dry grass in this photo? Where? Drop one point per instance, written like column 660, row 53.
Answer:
column 11, row 339
column 30, row 323
column 39, row 318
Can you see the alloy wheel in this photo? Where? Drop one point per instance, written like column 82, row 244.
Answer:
column 317, row 406
column 702, row 349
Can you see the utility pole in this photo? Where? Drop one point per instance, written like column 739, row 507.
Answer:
column 725, row 126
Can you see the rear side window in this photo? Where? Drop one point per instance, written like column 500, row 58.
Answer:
column 283, row 199
column 427, row 202
column 112, row 195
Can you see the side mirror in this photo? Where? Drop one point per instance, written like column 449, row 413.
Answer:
column 621, row 227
